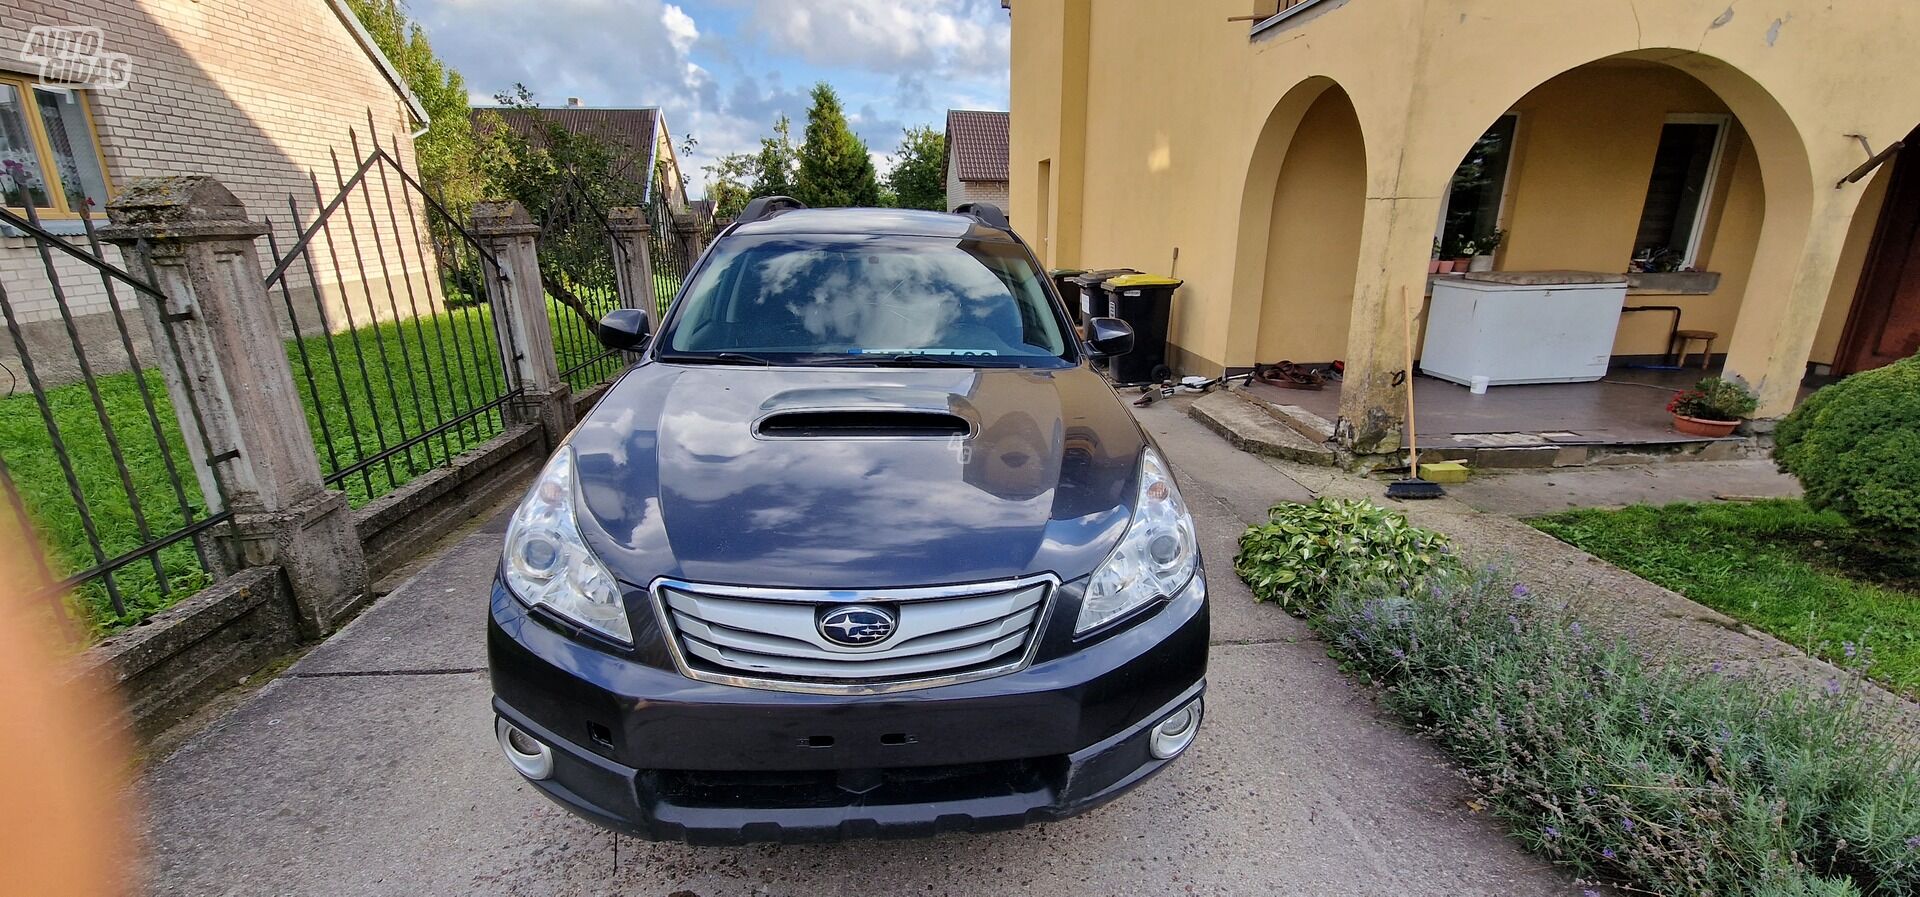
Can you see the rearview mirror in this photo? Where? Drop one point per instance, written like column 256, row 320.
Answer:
column 1107, row 337
column 623, row 329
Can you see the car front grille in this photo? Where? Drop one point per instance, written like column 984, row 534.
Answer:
column 774, row 638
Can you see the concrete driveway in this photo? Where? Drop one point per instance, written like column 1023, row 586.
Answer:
column 369, row 768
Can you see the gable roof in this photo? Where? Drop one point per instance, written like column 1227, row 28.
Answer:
column 629, row 132
column 380, row 61
column 977, row 144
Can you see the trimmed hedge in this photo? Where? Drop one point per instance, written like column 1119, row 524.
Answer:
column 1855, row 447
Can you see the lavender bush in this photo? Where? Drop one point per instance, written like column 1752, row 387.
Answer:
column 1664, row 780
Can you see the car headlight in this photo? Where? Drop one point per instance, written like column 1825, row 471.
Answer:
column 547, row 563
column 1156, row 557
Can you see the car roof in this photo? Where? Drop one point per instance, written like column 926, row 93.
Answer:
column 890, row 222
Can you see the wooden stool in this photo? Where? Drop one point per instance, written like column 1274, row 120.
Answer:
column 1682, row 339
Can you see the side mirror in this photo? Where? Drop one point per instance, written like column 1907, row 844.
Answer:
column 1107, row 337
column 623, row 329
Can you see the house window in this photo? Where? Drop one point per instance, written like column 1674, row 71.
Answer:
column 48, row 155
column 1470, row 212
column 1684, row 169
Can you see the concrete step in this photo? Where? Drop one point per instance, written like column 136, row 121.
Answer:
column 1252, row 429
column 1304, row 422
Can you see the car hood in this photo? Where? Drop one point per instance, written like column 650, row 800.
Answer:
column 675, row 478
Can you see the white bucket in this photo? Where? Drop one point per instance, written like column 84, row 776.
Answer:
column 1479, row 387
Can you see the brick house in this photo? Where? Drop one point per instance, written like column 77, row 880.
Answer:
column 258, row 93
column 976, row 162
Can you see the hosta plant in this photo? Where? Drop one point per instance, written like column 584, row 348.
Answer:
column 1303, row 554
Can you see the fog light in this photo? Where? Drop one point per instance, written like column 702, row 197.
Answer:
column 525, row 752
column 1174, row 733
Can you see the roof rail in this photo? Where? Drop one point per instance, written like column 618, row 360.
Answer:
column 984, row 212
column 761, row 208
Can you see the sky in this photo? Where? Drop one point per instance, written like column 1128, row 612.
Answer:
column 723, row 70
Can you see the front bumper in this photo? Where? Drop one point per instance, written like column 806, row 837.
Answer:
column 649, row 752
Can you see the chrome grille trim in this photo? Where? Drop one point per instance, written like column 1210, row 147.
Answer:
column 767, row 638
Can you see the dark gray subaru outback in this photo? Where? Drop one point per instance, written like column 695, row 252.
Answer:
column 860, row 547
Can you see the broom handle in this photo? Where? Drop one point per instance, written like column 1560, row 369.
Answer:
column 1413, row 465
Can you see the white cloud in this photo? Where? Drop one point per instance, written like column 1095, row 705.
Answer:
column 681, row 31
column 948, row 36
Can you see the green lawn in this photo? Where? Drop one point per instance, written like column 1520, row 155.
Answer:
column 36, row 472
column 395, row 380
column 1805, row 576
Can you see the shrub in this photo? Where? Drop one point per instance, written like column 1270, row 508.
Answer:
column 1715, row 399
column 1303, row 554
column 1667, row 780
column 1855, row 446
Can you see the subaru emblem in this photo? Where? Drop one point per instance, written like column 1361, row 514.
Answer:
column 857, row 625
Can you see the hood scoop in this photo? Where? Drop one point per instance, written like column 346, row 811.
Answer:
column 862, row 423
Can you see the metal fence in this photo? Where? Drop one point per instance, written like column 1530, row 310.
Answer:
column 395, row 351
column 398, row 322
column 578, row 260
column 668, row 252
column 99, row 469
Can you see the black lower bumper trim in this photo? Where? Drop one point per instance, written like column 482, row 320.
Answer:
column 811, row 806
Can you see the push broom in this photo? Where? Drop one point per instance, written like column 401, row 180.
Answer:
column 1413, row 486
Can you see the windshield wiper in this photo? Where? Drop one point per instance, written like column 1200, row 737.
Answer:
column 908, row 359
column 715, row 358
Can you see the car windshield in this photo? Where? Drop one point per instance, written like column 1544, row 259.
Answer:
column 859, row 299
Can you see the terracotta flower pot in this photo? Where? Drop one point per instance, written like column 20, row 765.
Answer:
column 1433, row 267
column 1694, row 426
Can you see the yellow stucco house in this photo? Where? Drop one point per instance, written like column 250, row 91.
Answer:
column 1297, row 161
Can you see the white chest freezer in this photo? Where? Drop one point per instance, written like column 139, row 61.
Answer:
column 1523, row 327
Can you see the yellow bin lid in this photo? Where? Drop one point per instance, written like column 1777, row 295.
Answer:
column 1143, row 280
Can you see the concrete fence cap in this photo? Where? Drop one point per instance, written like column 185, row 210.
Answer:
column 502, row 217
column 178, row 206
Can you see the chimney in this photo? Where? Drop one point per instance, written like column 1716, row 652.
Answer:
column 574, row 103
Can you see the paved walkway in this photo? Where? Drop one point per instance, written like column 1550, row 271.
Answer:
column 370, row 768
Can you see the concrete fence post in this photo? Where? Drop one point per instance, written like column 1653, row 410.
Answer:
column 633, row 258
column 220, row 350
column 686, row 226
column 519, row 302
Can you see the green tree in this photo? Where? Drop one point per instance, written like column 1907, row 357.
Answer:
column 918, row 173
column 773, row 168
column 729, row 181
column 835, row 169
column 447, row 154
column 567, row 180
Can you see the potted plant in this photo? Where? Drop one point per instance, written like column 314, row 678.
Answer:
column 1434, row 263
column 1657, row 260
column 1712, row 408
column 1483, row 247
column 1455, row 250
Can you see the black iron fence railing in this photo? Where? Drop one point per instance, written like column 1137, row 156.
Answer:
column 578, row 260
column 667, row 251
column 392, row 332
column 96, row 463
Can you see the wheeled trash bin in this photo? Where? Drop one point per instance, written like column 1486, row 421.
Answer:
column 1145, row 302
column 1092, row 299
column 1069, row 292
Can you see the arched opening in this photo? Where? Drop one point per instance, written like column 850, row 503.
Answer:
column 1665, row 168
column 1256, row 216
column 1665, row 190
column 1313, row 237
